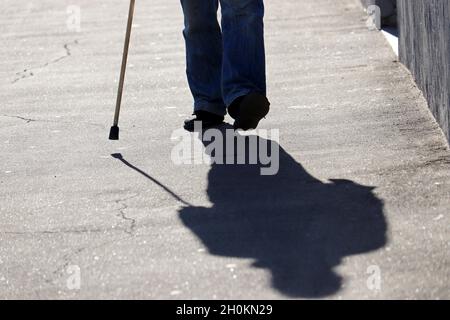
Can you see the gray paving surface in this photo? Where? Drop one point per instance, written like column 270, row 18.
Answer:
column 346, row 110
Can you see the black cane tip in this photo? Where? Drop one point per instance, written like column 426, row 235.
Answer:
column 117, row 156
column 114, row 133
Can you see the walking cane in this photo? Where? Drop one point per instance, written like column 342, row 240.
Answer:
column 114, row 133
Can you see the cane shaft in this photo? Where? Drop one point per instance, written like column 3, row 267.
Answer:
column 124, row 62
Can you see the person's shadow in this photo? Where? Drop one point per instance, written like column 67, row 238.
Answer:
column 291, row 224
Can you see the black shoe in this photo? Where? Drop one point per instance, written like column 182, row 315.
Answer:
column 249, row 110
column 207, row 120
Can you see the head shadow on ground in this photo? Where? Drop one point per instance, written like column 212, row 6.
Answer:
column 291, row 224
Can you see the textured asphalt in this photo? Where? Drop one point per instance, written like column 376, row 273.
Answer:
column 363, row 192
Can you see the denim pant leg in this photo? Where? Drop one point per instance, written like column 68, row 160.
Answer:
column 244, row 66
column 204, row 54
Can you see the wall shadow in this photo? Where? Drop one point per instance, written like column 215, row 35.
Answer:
column 291, row 224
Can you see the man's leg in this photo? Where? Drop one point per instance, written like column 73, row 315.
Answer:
column 244, row 65
column 204, row 55
column 244, row 69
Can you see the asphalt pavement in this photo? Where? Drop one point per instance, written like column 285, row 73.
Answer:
column 359, row 209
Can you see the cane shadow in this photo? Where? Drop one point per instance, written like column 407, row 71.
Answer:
column 291, row 224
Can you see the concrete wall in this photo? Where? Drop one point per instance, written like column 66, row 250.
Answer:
column 424, row 46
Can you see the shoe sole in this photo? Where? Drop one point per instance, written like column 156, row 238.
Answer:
column 254, row 108
column 191, row 126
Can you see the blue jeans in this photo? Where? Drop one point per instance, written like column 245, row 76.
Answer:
column 224, row 63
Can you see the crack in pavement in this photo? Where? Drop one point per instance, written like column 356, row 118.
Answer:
column 132, row 222
column 28, row 72
column 442, row 160
column 68, row 231
column 29, row 120
column 68, row 258
column 122, row 215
